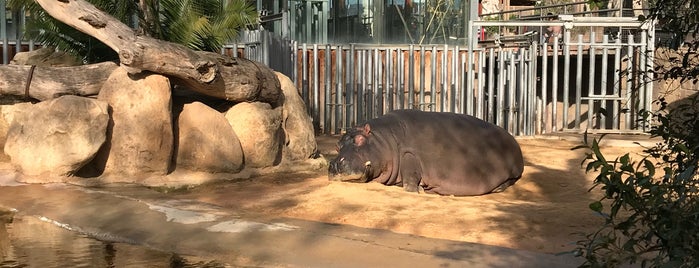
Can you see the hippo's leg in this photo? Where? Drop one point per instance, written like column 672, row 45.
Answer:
column 410, row 172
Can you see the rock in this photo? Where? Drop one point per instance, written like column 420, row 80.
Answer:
column 45, row 56
column 7, row 114
column 258, row 127
column 57, row 137
column 140, row 134
column 300, row 143
column 206, row 141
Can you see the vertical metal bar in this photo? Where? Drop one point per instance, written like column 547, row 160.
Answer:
column 308, row 22
column 400, row 83
column 377, row 86
column 554, row 88
column 616, row 84
column 411, row 77
column 389, row 80
column 502, row 77
column 327, row 127
column 3, row 34
column 578, row 81
column 294, row 60
column 593, row 67
column 645, row 81
column 511, row 84
column 443, row 86
column 361, row 78
column 649, row 35
column 566, row 78
column 421, row 99
column 519, row 90
column 369, row 89
column 591, row 90
column 491, row 85
column 466, row 86
column 265, row 48
column 434, row 80
column 534, row 66
column 339, row 51
column 351, row 88
column 369, row 84
column 315, row 110
column 304, row 72
column 481, row 84
column 544, row 87
column 470, row 66
column 454, row 78
column 629, row 79
column 605, row 84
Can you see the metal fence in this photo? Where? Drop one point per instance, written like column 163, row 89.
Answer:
column 589, row 81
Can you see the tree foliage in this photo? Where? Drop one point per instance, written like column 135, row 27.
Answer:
column 198, row 24
column 44, row 29
column 651, row 205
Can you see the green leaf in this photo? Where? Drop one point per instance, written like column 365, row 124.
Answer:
column 596, row 206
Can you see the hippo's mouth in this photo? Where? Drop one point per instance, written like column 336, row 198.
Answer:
column 359, row 177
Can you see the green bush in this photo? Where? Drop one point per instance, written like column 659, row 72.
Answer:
column 650, row 206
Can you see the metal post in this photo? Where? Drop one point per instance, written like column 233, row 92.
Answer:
column 315, row 110
column 444, row 76
column 411, row 76
column 591, row 91
column 389, row 81
column 578, row 82
column 351, row 87
column 339, row 86
column 327, row 127
column 421, row 99
column 491, row 93
column 3, row 34
column 616, row 85
column 566, row 78
column 554, row 88
column 304, row 72
column 544, row 87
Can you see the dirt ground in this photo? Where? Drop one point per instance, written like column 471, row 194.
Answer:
column 545, row 211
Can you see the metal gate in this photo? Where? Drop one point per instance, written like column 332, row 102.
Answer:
column 592, row 82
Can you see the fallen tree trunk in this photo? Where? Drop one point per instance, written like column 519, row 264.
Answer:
column 204, row 72
column 50, row 82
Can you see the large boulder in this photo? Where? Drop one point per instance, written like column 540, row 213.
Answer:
column 140, row 134
column 56, row 137
column 300, row 143
column 206, row 141
column 258, row 127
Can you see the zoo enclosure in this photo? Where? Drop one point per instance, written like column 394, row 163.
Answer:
column 585, row 82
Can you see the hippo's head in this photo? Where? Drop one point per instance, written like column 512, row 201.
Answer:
column 357, row 157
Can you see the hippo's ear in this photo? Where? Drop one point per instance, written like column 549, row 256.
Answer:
column 367, row 129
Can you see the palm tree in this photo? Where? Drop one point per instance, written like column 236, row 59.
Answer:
column 46, row 30
column 198, row 24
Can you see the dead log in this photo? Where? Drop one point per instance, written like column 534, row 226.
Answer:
column 205, row 72
column 50, row 82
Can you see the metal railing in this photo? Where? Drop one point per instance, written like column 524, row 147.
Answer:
column 587, row 81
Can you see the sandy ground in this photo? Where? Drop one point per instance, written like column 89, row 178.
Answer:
column 546, row 211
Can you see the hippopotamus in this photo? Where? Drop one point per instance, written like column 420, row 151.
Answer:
column 435, row 152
